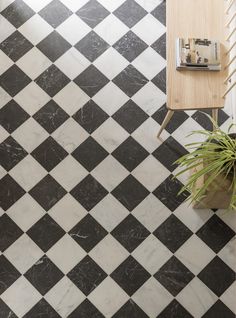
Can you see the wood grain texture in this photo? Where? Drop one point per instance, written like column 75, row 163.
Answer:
column 201, row 19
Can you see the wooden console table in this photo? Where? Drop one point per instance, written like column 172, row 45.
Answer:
column 195, row 90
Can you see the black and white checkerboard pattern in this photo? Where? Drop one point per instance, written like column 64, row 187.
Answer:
column 90, row 222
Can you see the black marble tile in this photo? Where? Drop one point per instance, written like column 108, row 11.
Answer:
column 91, row 80
column 130, row 13
column 219, row 310
column 168, row 193
column 160, row 46
column 130, row 153
column 130, row 46
column 87, row 275
column 217, row 276
column 49, row 153
column 160, row 12
column 11, row 153
column 90, row 116
column 89, row 154
column 51, row 116
column 55, row 13
column 43, row 275
column 88, row 233
column 12, row 116
column 130, row 275
column 203, row 120
column 47, row 192
column 175, row 310
column 8, row 274
column 15, row 46
column 10, row 192
column 130, row 309
column 6, row 311
column 89, row 192
column 52, row 80
column 130, row 80
column 17, row 13
column 41, row 310
column 86, row 309
column 130, row 116
column 130, row 233
column 92, row 46
column 160, row 80
column 10, row 232
column 93, row 13
column 168, row 152
column 173, row 233
column 14, row 80
column 174, row 276
column 177, row 120
column 130, row 192
column 45, row 232
column 215, row 233
column 54, row 46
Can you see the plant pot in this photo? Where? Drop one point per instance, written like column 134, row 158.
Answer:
column 218, row 194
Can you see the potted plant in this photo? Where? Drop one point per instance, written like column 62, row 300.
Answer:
column 212, row 164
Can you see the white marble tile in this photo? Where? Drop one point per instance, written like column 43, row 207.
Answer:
column 35, row 29
column 112, row 179
column 108, row 297
column 67, row 212
column 73, row 23
column 150, row 98
column 108, row 33
column 149, row 63
column 111, row 5
column 110, row 98
column 197, row 298
column 23, row 253
column 5, row 62
column 151, row 173
column 155, row 29
column 28, row 173
column 70, row 135
column 72, row 63
column 25, row 212
column 71, row 256
column 195, row 254
column 111, row 63
column 151, row 212
column 110, row 135
column 74, row 5
column 30, row 135
column 32, row 98
column 109, row 212
column 152, row 298
column 109, row 254
column 69, row 173
column 227, row 254
column 21, row 296
column 71, row 98
column 28, row 65
column 152, row 254
column 6, row 29
column 229, row 297
column 146, row 135
column 64, row 297
column 37, row 5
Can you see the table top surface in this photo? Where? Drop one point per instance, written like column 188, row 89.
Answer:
column 200, row 19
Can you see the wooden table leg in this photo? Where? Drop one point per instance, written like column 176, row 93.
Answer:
column 168, row 117
column 215, row 116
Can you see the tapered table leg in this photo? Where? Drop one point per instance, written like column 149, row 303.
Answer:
column 168, row 117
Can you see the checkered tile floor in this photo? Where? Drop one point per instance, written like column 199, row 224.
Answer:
column 91, row 225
